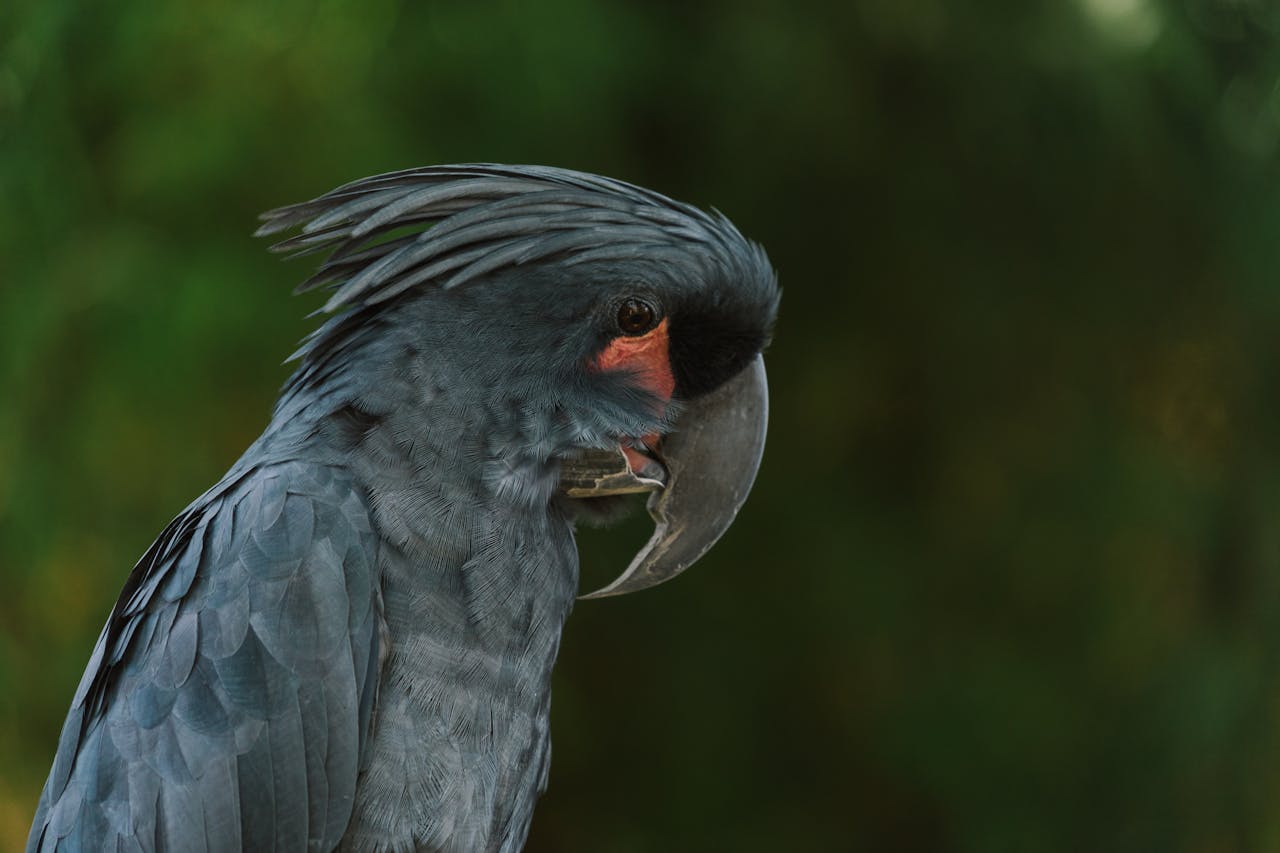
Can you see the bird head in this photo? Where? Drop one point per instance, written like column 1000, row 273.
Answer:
column 625, row 327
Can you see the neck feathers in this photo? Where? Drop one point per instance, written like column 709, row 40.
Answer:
column 478, row 573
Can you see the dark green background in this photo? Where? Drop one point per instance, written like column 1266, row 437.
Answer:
column 1010, row 578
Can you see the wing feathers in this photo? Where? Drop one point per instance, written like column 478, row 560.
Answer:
column 229, row 694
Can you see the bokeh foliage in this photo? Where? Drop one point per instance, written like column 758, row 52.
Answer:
column 1010, row 579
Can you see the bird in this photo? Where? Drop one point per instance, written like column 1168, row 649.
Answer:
column 347, row 642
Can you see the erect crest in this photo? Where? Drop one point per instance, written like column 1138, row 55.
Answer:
column 469, row 220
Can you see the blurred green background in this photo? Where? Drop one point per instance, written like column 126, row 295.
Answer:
column 1010, row 579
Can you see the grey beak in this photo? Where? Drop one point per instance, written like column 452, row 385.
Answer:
column 711, row 459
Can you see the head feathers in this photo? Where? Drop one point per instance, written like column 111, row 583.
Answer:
column 479, row 218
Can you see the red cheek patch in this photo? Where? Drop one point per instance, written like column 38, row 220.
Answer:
column 647, row 356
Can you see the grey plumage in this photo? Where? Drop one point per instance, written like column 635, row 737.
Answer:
column 224, row 694
column 496, row 216
column 347, row 642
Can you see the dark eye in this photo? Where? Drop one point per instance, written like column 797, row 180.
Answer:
column 635, row 316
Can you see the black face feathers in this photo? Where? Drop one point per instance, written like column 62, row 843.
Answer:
column 447, row 226
column 710, row 347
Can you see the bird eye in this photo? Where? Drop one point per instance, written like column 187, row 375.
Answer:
column 635, row 317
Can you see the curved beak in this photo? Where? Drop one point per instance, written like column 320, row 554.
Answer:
column 711, row 459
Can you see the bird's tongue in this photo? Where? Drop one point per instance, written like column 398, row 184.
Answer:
column 640, row 462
